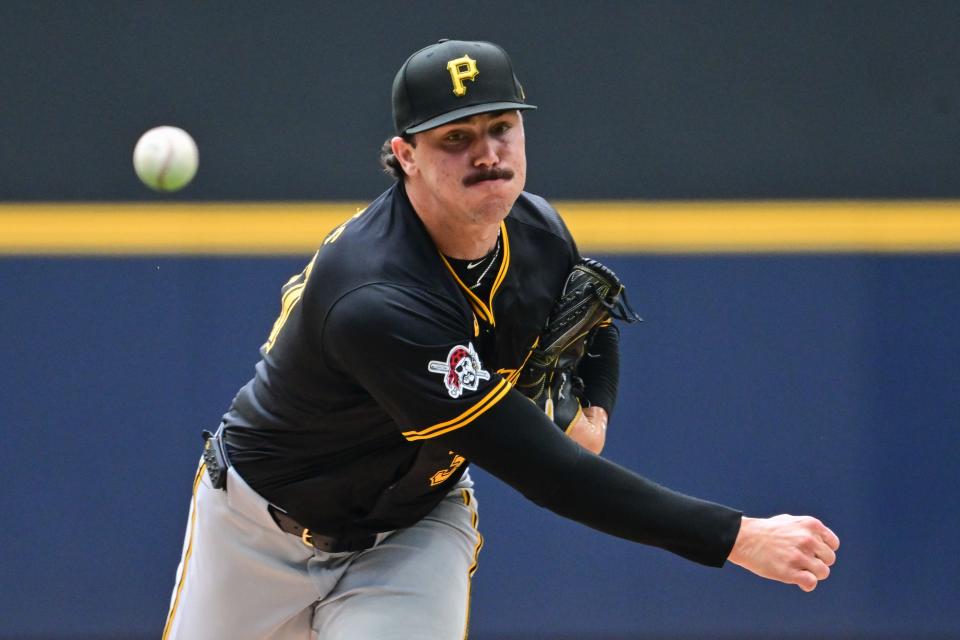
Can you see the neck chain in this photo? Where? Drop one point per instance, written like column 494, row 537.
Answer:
column 496, row 254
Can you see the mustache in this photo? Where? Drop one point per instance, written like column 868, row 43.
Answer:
column 493, row 173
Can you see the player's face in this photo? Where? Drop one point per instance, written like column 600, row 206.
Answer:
column 473, row 168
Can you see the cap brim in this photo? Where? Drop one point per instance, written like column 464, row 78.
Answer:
column 464, row 112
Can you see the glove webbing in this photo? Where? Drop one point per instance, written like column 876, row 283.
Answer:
column 619, row 307
column 554, row 356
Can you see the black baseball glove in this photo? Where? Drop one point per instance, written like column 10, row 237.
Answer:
column 591, row 297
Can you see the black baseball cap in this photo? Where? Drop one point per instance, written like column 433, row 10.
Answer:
column 453, row 79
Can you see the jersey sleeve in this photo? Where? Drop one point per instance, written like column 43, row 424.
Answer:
column 572, row 482
column 415, row 354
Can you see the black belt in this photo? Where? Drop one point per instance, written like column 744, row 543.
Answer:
column 215, row 457
column 330, row 544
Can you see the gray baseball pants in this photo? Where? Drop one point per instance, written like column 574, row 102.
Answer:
column 241, row 577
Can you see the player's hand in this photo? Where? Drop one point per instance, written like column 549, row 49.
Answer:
column 590, row 429
column 793, row 549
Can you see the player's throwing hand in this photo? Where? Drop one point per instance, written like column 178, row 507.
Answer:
column 793, row 549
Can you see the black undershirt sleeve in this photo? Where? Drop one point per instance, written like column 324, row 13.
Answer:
column 517, row 443
column 600, row 369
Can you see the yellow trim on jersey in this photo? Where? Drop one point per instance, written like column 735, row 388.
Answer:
column 288, row 301
column 503, row 270
column 292, row 291
column 468, row 416
column 485, row 310
column 187, row 553
column 475, row 303
column 515, row 375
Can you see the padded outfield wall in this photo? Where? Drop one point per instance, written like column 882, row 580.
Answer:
column 776, row 183
column 816, row 382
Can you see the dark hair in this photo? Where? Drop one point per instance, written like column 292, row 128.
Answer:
column 389, row 162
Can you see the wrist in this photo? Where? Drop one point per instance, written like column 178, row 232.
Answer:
column 741, row 544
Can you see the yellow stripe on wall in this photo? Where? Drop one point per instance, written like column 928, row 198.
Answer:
column 599, row 227
column 188, row 228
column 765, row 226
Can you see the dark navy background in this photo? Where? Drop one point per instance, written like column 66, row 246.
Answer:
column 824, row 384
column 638, row 99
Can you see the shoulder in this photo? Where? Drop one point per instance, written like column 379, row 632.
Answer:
column 384, row 317
column 362, row 227
column 384, row 242
column 392, row 309
column 539, row 223
column 534, row 211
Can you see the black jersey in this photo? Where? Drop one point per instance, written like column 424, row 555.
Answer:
column 380, row 348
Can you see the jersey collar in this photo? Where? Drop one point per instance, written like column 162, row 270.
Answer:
column 484, row 309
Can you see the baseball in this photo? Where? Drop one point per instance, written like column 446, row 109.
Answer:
column 165, row 158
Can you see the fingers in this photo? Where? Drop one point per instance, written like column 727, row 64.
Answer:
column 830, row 538
column 597, row 416
column 818, row 569
column 824, row 533
column 823, row 543
column 796, row 550
column 810, row 574
column 805, row 580
column 824, row 553
column 806, row 560
column 826, row 543
column 816, row 557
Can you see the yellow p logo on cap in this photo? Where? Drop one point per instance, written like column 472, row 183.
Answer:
column 461, row 69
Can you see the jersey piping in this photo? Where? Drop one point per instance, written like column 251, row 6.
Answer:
column 292, row 291
column 465, row 418
column 512, row 375
column 485, row 310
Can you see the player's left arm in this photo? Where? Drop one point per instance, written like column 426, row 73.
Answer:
column 579, row 323
column 600, row 372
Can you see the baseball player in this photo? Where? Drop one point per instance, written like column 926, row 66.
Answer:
column 335, row 499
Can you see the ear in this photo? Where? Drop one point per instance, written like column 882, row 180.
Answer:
column 403, row 150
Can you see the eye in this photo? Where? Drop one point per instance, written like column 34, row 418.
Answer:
column 455, row 136
column 500, row 128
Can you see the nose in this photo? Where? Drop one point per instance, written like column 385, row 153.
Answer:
column 487, row 154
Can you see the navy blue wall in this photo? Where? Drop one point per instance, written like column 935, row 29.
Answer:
column 808, row 384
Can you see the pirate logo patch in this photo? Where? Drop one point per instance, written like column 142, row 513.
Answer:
column 462, row 370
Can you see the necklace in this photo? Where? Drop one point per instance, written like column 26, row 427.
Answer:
column 496, row 254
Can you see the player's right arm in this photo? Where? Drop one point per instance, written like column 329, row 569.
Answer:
column 396, row 343
column 517, row 443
